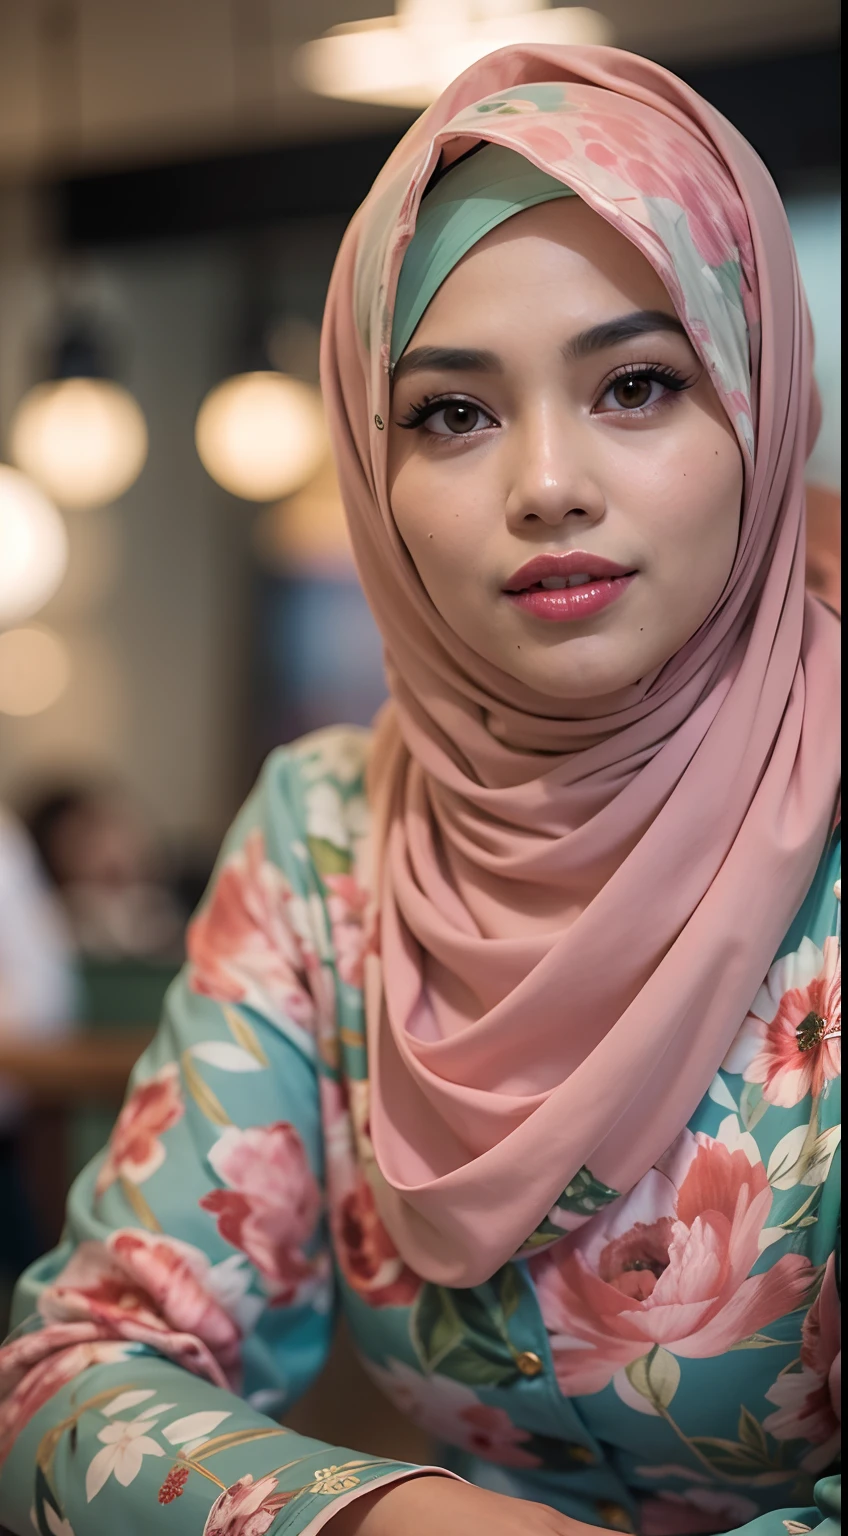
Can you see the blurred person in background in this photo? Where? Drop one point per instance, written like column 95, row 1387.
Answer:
column 38, row 998
column 533, row 994
column 101, row 857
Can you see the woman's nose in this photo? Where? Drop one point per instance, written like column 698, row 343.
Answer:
column 551, row 477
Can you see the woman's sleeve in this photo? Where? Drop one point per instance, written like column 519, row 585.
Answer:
column 825, row 1516
column 190, row 1299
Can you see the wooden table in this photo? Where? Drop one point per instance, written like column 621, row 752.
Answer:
column 57, row 1078
column 90, row 1066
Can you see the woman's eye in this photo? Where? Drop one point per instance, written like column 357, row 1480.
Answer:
column 457, row 419
column 633, row 392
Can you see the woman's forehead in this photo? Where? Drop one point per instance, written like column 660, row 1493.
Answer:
column 562, row 243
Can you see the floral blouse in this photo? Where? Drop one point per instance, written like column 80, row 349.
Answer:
column 668, row 1368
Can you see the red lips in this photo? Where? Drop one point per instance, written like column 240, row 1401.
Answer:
column 575, row 562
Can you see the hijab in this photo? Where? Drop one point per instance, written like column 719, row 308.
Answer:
column 516, row 1070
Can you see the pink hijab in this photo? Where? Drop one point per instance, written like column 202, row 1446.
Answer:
column 521, row 1066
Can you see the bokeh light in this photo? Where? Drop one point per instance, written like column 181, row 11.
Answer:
column 261, row 435
column 33, row 547
column 83, row 440
column 408, row 59
column 34, row 670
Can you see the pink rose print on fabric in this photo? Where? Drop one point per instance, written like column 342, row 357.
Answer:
column 364, row 1251
column 791, row 1041
column 135, row 1151
column 449, row 1411
column 697, row 1512
column 666, row 169
column 348, row 906
column 270, row 1206
column 366, row 1254
column 668, row 1265
column 247, row 1508
column 809, row 1401
column 152, row 1290
column 242, row 946
column 38, row 1365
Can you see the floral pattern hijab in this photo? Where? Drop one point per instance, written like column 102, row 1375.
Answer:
column 511, row 1075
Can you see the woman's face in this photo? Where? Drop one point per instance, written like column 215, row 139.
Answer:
column 550, row 405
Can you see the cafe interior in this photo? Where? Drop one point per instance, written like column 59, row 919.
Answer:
column 177, row 593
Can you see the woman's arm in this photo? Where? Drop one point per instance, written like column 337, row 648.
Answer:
column 191, row 1296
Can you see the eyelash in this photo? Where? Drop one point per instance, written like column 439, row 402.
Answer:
column 658, row 373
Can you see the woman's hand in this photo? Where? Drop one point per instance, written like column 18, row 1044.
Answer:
column 424, row 1506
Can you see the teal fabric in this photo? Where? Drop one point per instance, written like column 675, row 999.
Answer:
column 472, row 198
column 208, row 1252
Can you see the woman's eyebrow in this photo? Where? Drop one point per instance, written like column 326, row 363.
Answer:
column 642, row 322
column 448, row 360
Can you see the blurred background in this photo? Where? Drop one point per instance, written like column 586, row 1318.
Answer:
column 176, row 593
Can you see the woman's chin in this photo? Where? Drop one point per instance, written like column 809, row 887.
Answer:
column 580, row 670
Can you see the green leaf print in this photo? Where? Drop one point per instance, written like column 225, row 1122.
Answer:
column 44, row 1499
column 546, row 97
column 752, row 1458
column 585, row 1195
column 509, row 1290
column 729, row 276
column 752, row 1434
column 463, row 1334
column 758, row 1341
column 655, row 1377
column 752, row 1105
column 327, row 858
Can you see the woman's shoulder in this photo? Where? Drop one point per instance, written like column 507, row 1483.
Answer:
column 311, row 798
column 336, row 753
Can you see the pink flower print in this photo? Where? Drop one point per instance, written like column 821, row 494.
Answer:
column 348, row 906
column 668, row 168
column 135, row 1151
column 247, row 1508
column 449, row 1411
column 365, row 1253
column 270, row 1205
column 791, row 1041
column 174, row 1485
column 548, row 144
column 808, row 1401
column 696, row 1512
column 368, row 1258
column 152, row 1290
column 242, row 946
column 668, row 1265
column 36, row 1366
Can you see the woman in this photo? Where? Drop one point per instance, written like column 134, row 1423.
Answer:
column 538, row 987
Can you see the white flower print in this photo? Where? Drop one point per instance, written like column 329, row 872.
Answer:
column 325, row 815
column 125, row 1445
column 339, row 753
column 55, row 1524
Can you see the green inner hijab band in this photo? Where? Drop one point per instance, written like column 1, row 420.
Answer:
column 471, row 199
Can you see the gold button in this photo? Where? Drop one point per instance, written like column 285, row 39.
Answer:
column 529, row 1363
column 614, row 1517
column 379, row 423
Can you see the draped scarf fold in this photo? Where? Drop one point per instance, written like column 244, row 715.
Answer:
column 578, row 903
